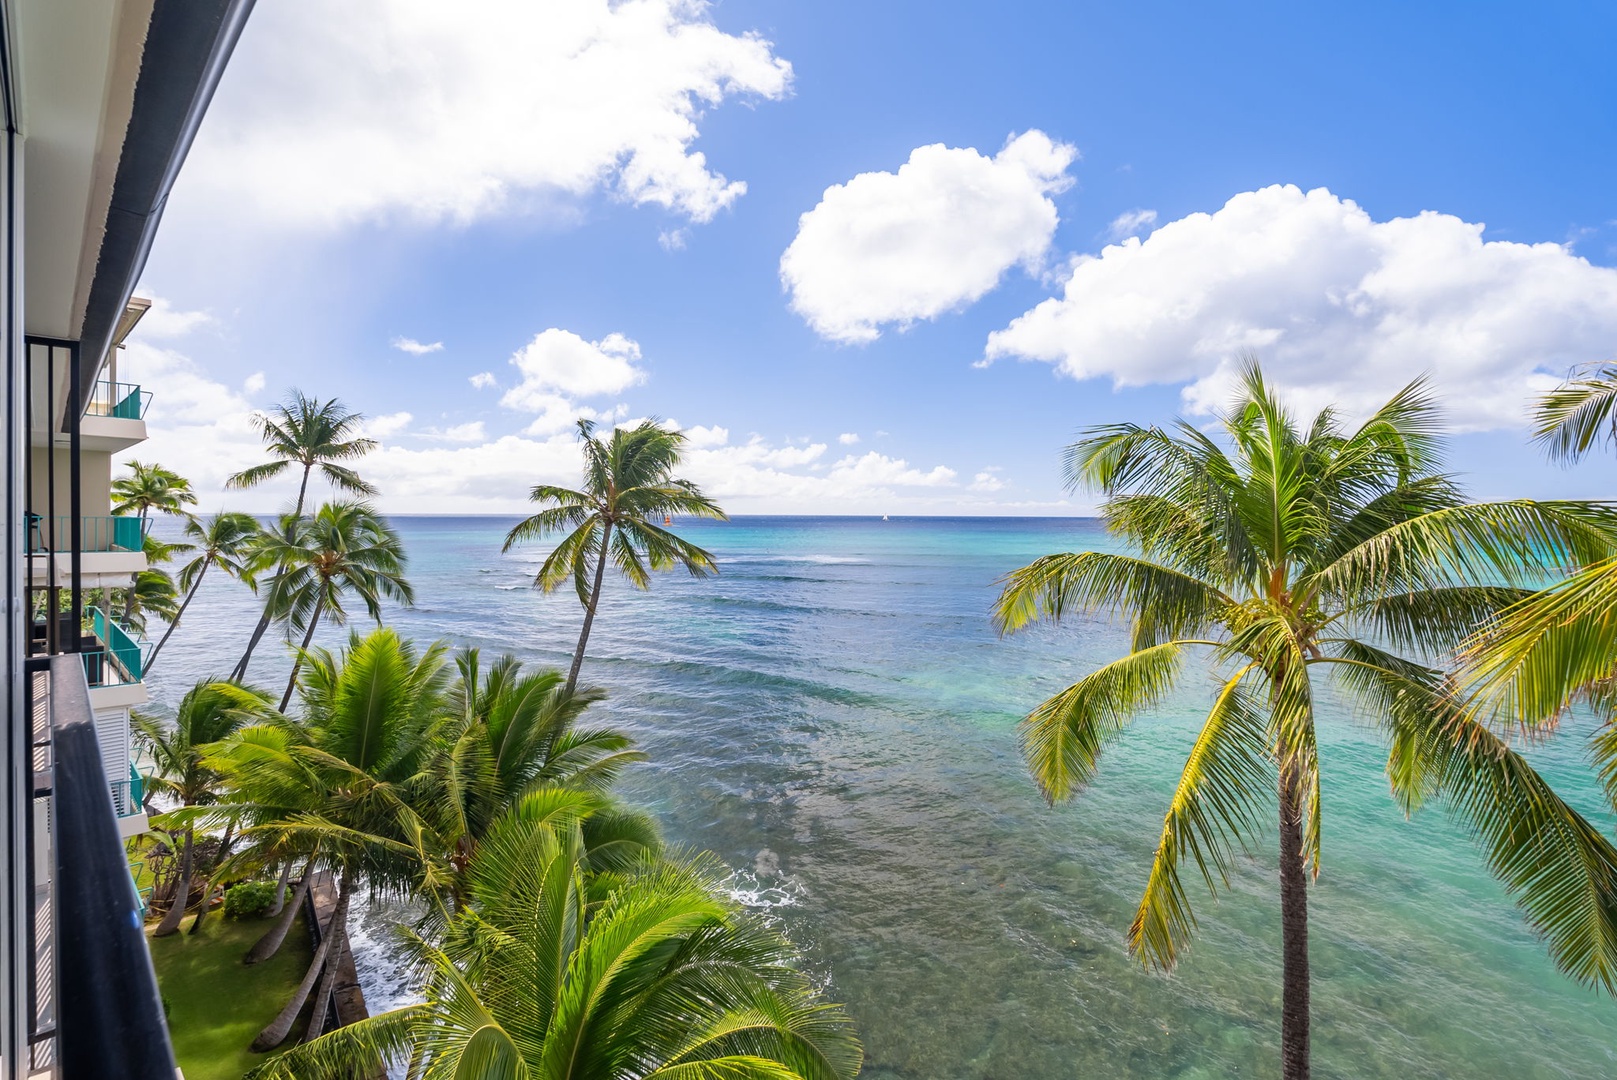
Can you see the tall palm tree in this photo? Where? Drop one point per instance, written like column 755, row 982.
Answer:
column 345, row 548
column 338, row 786
column 628, row 483
column 1281, row 554
column 150, row 488
column 511, row 734
column 152, row 593
column 208, row 712
column 666, row 979
column 307, row 434
column 1558, row 647
column 223, row 541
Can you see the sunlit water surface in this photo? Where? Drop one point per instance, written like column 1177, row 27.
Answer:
column 835, row 717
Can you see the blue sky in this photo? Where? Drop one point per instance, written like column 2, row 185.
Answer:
column 482, row 175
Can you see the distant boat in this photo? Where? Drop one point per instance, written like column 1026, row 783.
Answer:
column 884, row 517
column 668, row 519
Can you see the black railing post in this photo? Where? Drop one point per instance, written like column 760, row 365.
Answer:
column 75, row 498
column 109, row 1019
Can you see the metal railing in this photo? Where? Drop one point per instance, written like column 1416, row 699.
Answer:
column 108, row 1017
column 125, row 401
column 104, row 533
column 128, row 796
column 118, row 646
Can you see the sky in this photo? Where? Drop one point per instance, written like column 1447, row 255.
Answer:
column 877, row 257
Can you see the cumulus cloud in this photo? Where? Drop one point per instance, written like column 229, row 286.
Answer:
column 383, row 427
column 254, row 383
column 673, row 239
column 699, row 436
column 893, row 248
column 848, row 438
column 338, row 113
column 414, row 347
column 1130, row 223
column 987, row 480
column 483, row 380
column 1338, row 306
column 162, row 321
column 559, row 362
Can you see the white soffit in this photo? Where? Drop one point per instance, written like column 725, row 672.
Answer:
column 78, row 61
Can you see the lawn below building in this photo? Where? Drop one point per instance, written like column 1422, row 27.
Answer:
column 216, row 1004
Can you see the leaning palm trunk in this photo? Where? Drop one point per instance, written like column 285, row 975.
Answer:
column 174, row 624
column 279, row 1028
column 297, row 664
column 1294, row 992
column 240, row 671
column 280, row 889
column 268, row 945
column 337, row 935
column 207, row 893
column 589, row 612
column 182, row 891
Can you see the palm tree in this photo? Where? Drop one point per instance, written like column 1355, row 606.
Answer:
column 153, row 593
column 666, row 979
column 208, row 712
column 305, row 433
column 1558, row 647
column 338, row 786
column 345, row 548
column 512, row 734
column 150, row 488
column 222, row 541
column 628, row 484
column 1280, row 554
column 309, row 433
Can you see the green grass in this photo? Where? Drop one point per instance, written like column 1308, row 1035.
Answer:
column 216, row 1003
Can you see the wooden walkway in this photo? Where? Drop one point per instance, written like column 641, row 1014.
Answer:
column 347, row 998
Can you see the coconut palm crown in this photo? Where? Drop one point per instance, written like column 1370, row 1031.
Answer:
column 150, row 488
column 628, row 483
column 663, row 979
column 309, row 433
column 1284, row 556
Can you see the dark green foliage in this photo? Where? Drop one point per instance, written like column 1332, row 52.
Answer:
column 249, row 900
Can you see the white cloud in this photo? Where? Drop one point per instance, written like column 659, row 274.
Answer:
column 876, row 470
column 558, row 362
column 254, row 383
column 848, row 438
column 414, row 347
column 163, row 321
column 1130, row 223
column 483, row 380
column 701, row 437
column 472, row 431
column 987, row 480
column 673, row 239
column 892, row 248
column 337, row 113
column 383, row 427
column 1339, row 307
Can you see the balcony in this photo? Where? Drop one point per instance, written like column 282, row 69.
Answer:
column 95, row 534
column 116, row 657
column 110, row 550
column 121, row 401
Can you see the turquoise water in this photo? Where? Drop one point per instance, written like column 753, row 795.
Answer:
column 835, row 717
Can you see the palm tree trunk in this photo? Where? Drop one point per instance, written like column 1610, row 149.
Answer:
column 240, row 672
column 268, row 945
column 1294, row 1048
column 589, row 612
column 337, row 934
column 172, row 626
column 280, row 889
column 297, row 663
column 275, row 1034
column 182, row 892
column 207, row 893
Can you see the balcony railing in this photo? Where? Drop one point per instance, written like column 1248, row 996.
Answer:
column 95, row 534
column 119, row 649
column 125, row 401
column 128, row 796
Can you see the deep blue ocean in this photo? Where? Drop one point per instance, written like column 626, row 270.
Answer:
column 835, row 717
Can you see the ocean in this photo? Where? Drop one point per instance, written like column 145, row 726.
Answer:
column 835, row 717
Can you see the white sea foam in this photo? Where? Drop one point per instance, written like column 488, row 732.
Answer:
column 764, row 892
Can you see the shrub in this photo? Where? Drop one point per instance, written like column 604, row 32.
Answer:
column 250, row 899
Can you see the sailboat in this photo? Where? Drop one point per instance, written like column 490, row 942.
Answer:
column 668, row 519
column 884, row 517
